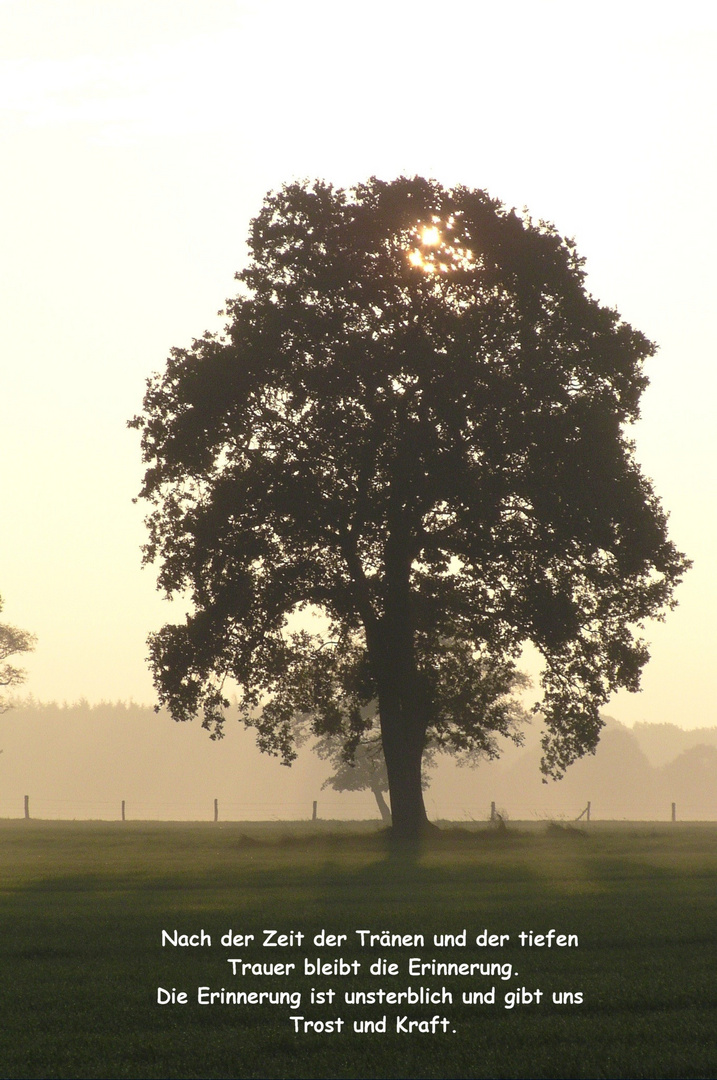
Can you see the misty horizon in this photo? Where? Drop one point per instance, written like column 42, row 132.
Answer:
column 81, row 760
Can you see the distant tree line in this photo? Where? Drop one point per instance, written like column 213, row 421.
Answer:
column 636, row 771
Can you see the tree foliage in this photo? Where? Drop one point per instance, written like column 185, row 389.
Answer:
column 415, row 423
column 12, row 642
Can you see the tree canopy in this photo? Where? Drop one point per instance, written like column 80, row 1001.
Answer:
column 12, row 642
column 415, row 424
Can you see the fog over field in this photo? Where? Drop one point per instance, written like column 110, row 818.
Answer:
column 81, row 761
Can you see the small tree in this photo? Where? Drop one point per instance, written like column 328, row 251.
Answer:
column 361, row 765
column 415, row 423
column 365, row 772
column 12, row 642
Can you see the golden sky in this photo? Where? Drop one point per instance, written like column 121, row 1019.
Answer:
column 138, row 138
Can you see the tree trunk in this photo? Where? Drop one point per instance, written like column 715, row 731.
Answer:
column 402, row 704
column 403, row 742
column 383, row 806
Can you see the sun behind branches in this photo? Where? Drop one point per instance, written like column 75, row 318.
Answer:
column 436, row 252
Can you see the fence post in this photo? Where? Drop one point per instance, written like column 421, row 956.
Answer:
column 492, row 811
column 216, row 809
column 27, row 806
column 313, row 814
column 587, row 815
column 674, row 811
column 123, row 810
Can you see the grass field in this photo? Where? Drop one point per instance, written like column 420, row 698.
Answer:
column 83, row 905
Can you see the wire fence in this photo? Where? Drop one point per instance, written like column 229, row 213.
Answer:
column 330, row 809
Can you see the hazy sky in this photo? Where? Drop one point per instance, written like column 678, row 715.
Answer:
column 138, row 139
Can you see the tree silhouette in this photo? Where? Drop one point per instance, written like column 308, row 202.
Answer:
column 414, row 425
column 12, row 642
column 365, row 770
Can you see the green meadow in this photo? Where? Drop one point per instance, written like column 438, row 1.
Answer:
column 84, row 904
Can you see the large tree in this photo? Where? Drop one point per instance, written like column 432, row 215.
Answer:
column 414, row 424
column 12, row 642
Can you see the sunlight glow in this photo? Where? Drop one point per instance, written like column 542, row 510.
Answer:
column 445, row 256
